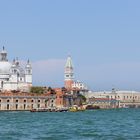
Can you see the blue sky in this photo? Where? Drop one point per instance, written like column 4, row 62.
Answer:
column 103, row 38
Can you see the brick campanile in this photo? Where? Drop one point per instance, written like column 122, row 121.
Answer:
column 69, row 75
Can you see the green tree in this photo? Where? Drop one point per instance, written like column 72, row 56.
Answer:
column 82, row 97
column 38, row 90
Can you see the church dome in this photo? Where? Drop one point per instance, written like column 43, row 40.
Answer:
column 5, row 67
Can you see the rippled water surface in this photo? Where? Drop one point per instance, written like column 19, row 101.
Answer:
column 119, row 124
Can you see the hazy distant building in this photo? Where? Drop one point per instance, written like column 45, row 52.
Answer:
column 13, row 76
column 70, row 83
column 126, row 98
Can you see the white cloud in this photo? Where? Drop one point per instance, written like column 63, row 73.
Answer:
column 48, row 72
column 124, row 75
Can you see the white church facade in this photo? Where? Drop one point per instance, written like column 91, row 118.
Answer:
column 13, row 76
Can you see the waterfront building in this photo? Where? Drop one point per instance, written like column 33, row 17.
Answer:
column 104, row 102
column 55, row 98
column 126, row 98
column 22, row 101
column 63, row 98
column 13, row 76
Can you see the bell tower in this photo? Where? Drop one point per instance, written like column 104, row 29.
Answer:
column 28, row 73
column 69, row 75
column 3, row 55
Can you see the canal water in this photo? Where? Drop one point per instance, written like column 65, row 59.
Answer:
column 118, row 124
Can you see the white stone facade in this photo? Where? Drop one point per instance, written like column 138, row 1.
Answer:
column 79, row 85
column 13, row 76
column 126, row 98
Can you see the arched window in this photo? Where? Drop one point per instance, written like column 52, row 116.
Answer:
column 16, row 106
column 1, row 84
column 24, row 106
column 8, row 106
column 15, row 71
column 29, row 71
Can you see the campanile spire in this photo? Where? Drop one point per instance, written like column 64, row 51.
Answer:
column 69, row 74
column 3, row 55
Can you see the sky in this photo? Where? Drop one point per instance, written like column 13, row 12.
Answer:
column 102, row 37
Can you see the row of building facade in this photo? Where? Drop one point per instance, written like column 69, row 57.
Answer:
column 19, row 101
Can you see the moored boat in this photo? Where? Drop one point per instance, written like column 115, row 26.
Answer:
column 49, row 110
column 76, row 109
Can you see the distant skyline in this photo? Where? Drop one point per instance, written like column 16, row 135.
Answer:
column 102, row 37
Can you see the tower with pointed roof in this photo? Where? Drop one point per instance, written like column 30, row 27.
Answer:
column 28, row 73
column 69, row 74
column 3, row 55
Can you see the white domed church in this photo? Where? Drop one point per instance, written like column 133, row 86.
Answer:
column 13, row 76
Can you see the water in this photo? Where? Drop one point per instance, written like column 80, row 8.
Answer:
column 119, row 124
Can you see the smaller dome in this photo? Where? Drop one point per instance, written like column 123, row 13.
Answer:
column 5, row 67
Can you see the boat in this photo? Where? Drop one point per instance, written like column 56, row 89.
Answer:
column 73, row 110
column 39, row 110
column 76, row 109
column 49, row 110
column 91, row 107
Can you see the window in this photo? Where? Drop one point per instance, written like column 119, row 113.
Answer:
column 24, row 106
column 8, row 106
column 8, row 101
column 24, row 101
column 39, row 101
column 38, row 105
column 32, row 101
column 29, row 71
column 16, row 106
column 15, row 71
column 16, row 101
